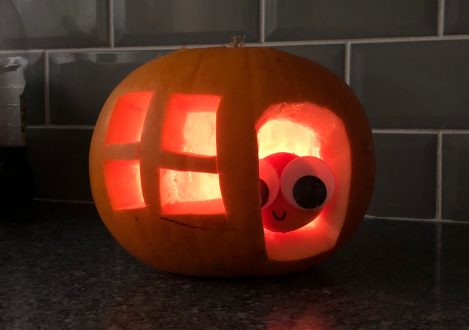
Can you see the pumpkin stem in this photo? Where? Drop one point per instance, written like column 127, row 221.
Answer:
column 237, row 41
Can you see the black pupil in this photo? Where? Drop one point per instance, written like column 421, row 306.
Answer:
column 309, row 192
column 264, row 189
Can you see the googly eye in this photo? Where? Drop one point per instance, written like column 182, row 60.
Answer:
column 307, row 183
column 268, row 183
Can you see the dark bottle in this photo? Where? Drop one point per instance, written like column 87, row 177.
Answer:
column 16, row 178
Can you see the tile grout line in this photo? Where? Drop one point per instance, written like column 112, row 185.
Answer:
column 434, row 221
column 253, row 44
column 439, row 176
column 27, row 51
column 106, row 49
column 418, row 131
column 348, row 49
column 111, row 23
column 364, row 40
column 261, row 21
column 71, row 127
column 46, row 89
column 441, row 18
column 68, row 201
column 438, row 229
column 438, row 249
column 439, row 224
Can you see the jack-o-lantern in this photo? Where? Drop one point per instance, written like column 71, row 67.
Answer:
column 231, row 161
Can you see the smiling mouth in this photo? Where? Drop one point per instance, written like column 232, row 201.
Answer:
column 281, row 217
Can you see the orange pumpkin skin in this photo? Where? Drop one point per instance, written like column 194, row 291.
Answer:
column 253, row 86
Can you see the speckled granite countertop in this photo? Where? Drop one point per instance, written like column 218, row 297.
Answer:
column 60, row 268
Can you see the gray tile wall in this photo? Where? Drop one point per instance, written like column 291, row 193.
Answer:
column 408, row 62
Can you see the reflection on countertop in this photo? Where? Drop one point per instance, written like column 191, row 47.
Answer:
column 60, row 268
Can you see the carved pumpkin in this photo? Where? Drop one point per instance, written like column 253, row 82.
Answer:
column 231, row 161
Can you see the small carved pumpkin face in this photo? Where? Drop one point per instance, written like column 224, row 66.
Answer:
column 234, row 161
column 293, row 190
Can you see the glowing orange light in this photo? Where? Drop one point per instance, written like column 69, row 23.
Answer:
column 123, row 184
column 316, row 236
column 283, row 135
column 190, row 124
column 127, row 118
column 185, row 192
column 200, row 133
column 303, row 129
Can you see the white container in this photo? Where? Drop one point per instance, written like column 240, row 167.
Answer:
column 12, row 84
